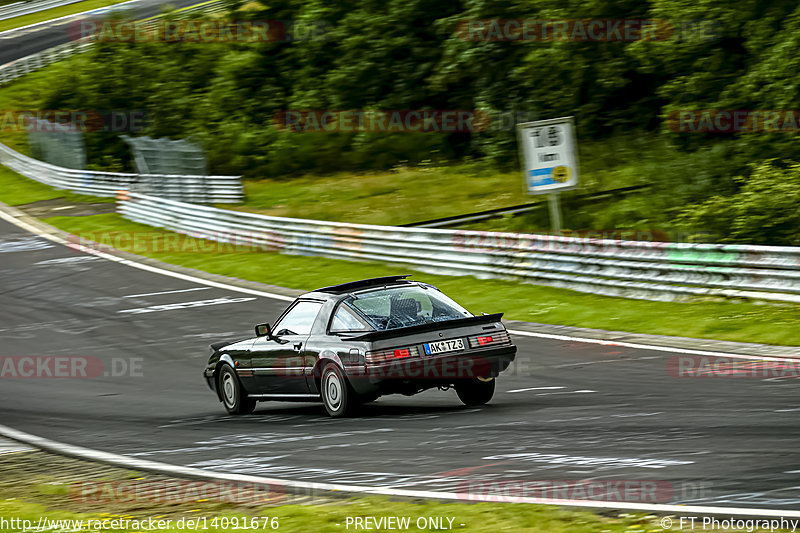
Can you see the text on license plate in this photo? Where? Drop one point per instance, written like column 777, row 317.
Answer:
column 432, row 348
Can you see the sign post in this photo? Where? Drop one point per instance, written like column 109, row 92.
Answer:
column 555, row 212
column 549, row 160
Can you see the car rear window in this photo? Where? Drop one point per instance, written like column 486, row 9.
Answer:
column 400, row 307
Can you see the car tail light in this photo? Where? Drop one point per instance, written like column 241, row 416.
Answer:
column 382, row 356
column 499, row 337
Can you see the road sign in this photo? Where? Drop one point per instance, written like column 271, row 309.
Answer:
column 549, row 158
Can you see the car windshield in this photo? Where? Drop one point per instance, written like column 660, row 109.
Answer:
column 400, row 307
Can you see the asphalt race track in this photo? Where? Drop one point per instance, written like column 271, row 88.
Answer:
column 21, row 42
column 564, row 411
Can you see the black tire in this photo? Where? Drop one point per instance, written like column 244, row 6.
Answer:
column 337, row 396
column 475, row 391
column 234, row 397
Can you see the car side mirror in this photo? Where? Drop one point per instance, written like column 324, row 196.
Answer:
column 263, row 330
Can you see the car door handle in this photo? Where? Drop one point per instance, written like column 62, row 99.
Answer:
column 298, row 346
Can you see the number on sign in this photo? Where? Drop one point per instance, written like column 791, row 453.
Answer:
column 553, row 135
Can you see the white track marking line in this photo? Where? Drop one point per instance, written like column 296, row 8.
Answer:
column 184, row 305
column 620, row 360
column 584, row 391
column 305, row 486
column 141, row 266
column 650, row 347
column 534, row 388
column 167, row 292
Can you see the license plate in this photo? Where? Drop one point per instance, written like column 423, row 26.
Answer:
column 433, row 348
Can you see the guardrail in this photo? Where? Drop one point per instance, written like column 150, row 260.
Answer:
column 515, row 210
column 633, row 269
column 25, row 65
column 201, row 189
column 26, row 8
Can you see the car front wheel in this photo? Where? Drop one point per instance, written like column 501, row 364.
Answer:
column 475, row 391
column 337, row 397
column 233, row 395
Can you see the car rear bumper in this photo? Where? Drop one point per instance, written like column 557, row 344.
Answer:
column 431, row 371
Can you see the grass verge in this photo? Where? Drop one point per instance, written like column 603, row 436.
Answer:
column 333, row 518
column 29, row 491
column 56, row 12
column 403, row 196
column 743, row 322
column 414, row 194
column 17, row 190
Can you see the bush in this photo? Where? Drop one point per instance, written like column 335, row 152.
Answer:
column 764, row 211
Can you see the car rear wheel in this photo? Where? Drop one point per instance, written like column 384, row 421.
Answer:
column 337, row 396
column 475, row 391
column 234, row 398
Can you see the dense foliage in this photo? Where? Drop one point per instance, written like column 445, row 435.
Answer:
column 408, row 54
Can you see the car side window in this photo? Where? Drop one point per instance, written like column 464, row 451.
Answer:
column 346, row 320
column 299, row 320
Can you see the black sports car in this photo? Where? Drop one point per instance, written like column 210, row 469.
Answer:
column 351, row 343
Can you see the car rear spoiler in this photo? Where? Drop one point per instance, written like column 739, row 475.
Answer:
column 432, row 326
